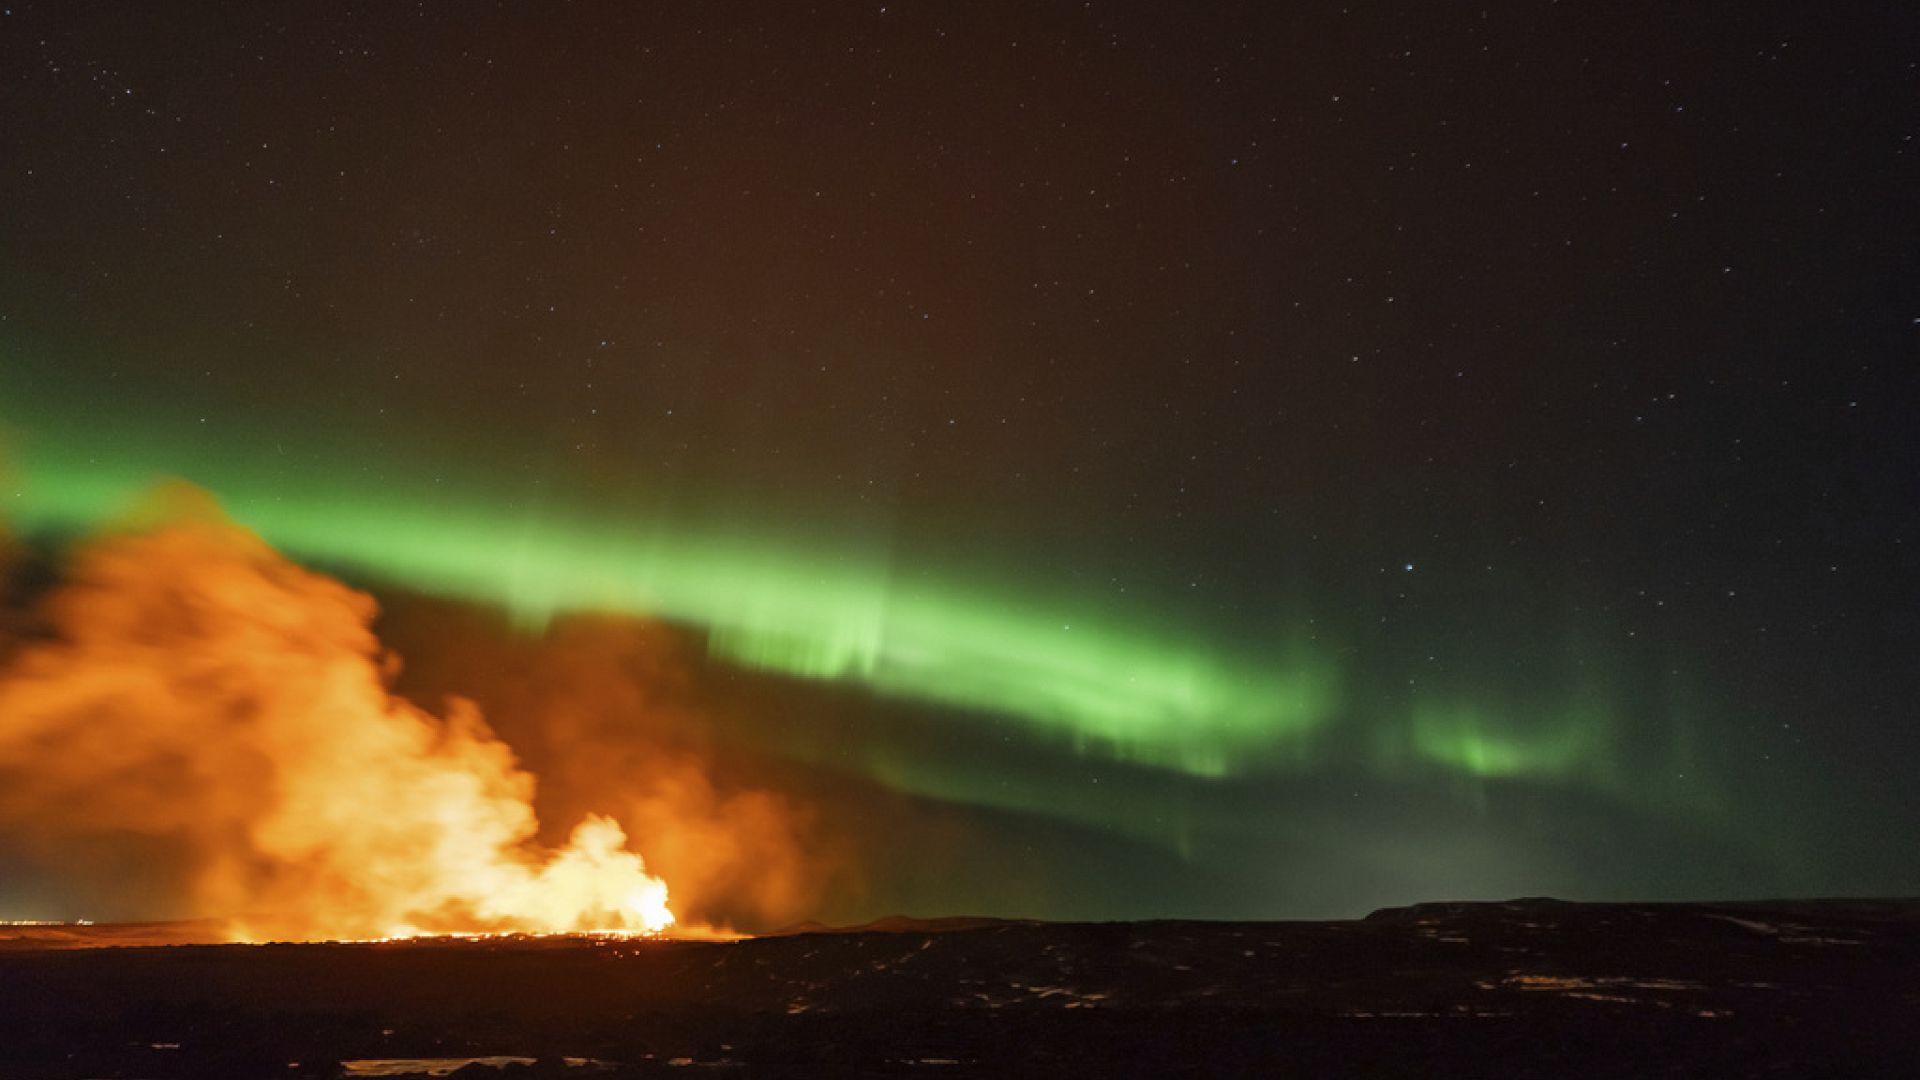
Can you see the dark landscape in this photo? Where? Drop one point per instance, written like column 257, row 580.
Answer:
column 491, row 492
column 1526, row 988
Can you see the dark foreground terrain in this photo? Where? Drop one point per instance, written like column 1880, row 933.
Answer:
column 1525, row 989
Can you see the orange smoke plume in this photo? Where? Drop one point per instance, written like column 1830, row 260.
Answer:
column 192, row 687
column 612, row 716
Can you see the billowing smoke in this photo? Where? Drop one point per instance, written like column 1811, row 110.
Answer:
column 187, row 693
column 611, row 714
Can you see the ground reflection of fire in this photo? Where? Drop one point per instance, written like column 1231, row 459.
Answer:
column 594, row 937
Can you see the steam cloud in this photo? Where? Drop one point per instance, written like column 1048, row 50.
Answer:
column 186, row 692
column 610, row 714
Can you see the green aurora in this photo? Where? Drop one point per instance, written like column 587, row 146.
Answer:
column 1109, row 680
column 797, row 612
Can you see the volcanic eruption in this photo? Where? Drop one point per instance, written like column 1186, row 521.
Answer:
column 186, row 686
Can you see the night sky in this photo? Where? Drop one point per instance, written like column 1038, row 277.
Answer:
column 1267, row 459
